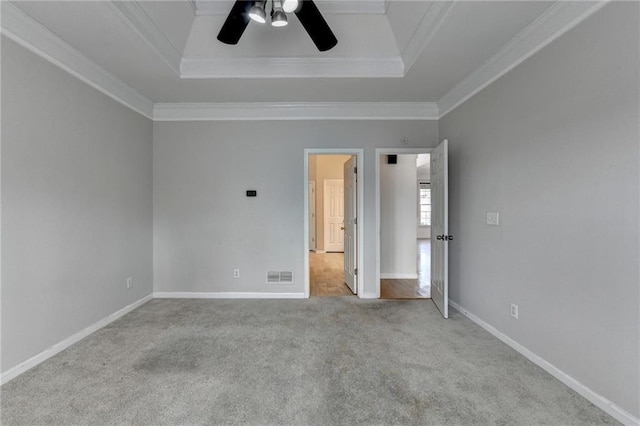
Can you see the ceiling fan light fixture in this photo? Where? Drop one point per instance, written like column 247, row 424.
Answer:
column 244, row 11
column 279, row 19
column 290, row 5
column 257, row 13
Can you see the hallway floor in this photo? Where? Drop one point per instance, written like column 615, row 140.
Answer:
column 411, row 289
column 327, row 275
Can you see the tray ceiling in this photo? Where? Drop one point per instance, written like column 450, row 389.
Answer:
column 388, row 51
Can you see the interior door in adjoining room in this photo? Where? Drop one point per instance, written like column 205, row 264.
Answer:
column 334, row 215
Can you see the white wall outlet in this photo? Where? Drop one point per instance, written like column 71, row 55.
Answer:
column 493, row 218
column 129, row 282
column 236, row 273
column 514, row 310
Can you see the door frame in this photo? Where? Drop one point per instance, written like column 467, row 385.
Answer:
column 379, row 153
column 359, row 154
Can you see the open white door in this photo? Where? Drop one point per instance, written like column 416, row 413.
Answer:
column 312, row 215
column 440, row 228
column 350, row 228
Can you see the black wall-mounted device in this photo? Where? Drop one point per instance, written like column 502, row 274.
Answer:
column 252, row 193
column 392, row 159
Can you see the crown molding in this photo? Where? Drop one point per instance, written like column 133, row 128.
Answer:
column 428, row 27
column 242, row 111
column 381, row 67
column 137, row 19
column 327, row 7
column 30, row 34
column 557, row 20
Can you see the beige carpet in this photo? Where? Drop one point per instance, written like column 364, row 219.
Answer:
column 323, row 361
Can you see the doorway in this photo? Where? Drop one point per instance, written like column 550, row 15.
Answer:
column 332, row 260
column 404, row 220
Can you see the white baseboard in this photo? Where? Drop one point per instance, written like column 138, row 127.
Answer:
column 595, row 398
column 386, row 276
column 60, row 346
column 225, row 295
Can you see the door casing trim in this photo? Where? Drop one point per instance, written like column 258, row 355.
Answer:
column 359, row 154
column 379, row 153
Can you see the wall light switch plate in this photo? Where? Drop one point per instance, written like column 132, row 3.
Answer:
column 493, row 218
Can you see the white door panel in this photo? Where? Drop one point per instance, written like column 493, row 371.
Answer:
column 312, row 215
column 333, row 215
column 350, row 228
column 440, row 228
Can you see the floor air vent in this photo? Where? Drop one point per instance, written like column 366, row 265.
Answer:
column 286, row 277
column 279, row 277
column 273, row 277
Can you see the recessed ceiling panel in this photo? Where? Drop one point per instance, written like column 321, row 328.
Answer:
column 366, row 48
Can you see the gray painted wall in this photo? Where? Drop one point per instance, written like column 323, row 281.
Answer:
column 553, row 147
column 204, row 226
column 76, row 205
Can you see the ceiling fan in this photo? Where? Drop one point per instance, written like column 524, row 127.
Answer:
column 307, row 12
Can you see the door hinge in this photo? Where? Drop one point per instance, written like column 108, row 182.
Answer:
column 355, row 170
column 355, row 221
column 355, row 271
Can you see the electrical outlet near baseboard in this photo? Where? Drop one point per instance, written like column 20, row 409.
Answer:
column 236, row 273
column 129, row 282
column 514, row 310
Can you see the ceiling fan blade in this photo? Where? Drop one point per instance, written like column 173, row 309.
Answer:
column 236, row 22
column 318, row 29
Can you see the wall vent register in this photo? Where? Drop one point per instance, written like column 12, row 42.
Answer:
column 279, row 277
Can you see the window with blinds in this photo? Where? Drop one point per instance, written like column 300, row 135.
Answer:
column 424, row 197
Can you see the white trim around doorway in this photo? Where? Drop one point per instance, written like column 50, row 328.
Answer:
column 359, row 153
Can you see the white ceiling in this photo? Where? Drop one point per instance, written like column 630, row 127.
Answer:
column 145, row 44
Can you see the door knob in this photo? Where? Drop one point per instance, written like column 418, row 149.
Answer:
column 342, row 228
column 440, row 237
